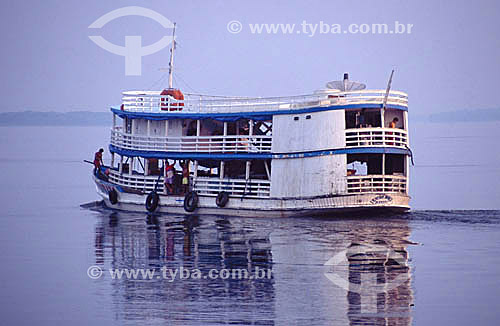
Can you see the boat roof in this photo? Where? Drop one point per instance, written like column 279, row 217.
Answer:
column 155, row 106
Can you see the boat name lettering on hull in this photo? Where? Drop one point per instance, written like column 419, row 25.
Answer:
column 381, row 199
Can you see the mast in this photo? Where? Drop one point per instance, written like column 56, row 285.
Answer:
column 388, row 90
column 171, row 63
column 384, row 104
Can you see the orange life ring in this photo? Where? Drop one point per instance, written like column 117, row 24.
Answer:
column 176, row 94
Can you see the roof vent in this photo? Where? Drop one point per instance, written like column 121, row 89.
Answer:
column 345, row 85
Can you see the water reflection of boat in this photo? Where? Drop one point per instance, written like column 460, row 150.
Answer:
column 294, row 249
column 380, row 291
column 128, row 241
column 374, row 282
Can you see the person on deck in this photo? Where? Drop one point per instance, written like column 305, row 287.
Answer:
column 185, row 177
column 169, row 177
column 361, row 119
column 98, row 161
column 393, row 123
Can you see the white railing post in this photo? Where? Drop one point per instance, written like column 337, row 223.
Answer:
column 198, row 130
column 195, row 174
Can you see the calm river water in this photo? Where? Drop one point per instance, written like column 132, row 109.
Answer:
column 428, row 267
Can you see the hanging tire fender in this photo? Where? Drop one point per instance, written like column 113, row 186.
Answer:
column 191, row 201
column 222, row 199
column 152, row 201
column 113, row 197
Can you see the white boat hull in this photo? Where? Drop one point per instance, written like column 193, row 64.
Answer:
column 272, row 207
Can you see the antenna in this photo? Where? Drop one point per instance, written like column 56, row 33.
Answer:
column 171, row 63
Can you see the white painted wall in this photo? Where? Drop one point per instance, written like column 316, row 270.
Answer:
column 140, row 127
column 157, row 128
column 324, row 130
column 174, row 127
column 311, row 176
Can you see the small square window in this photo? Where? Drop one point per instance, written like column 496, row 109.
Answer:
column 296, row 118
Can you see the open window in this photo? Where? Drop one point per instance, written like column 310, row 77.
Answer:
column 362, row 118
column 394, row 119
column 374, row 164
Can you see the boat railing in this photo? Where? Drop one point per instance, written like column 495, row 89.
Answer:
column 376, row 184
column 145, row 183
column 373, row 137
column 252, row 188
column 153, row 101
column 206, row 144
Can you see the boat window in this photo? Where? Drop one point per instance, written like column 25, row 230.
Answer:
column 394, row 164
column 296, row 118
column 308, row 117
column 362, row 118
column 370, row 164
column 390, row 116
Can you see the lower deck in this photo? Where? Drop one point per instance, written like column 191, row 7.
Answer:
column 273, row 207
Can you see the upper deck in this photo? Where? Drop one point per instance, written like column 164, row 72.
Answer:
column 257, row 139
column 154, row 102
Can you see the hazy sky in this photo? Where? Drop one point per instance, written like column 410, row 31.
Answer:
column 450, row 60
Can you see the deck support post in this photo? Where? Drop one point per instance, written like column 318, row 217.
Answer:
column 225, row 135
column 383, row 164
column 131, row 166
column 247, row 176
column 221, row 172
column 112, row 160
column 195, row 174
column 407, row 175
column 198, row 129
column 383, row 172
column 405, row 126
column 247, row 171
column 267, row 170
column 120, row 168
